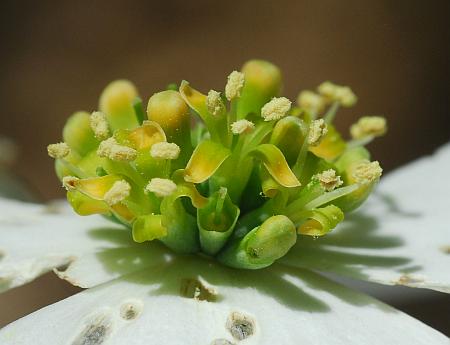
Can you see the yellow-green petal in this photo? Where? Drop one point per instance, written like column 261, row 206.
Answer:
column 276, row 165
column 205, row 160
column 320, row 221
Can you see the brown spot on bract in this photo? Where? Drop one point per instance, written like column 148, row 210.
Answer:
column 240, row 326
column 407, row 279
column 445, row 249
column 131, row 309
column 193, row 288
column 96, row 331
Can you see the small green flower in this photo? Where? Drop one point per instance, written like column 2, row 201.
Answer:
column 251, row 177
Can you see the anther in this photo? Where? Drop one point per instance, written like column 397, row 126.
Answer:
column 367, row 172
column 161, row 187
column 59, row 150
column 99, row 125
column 329, row 180
column 164, row 150
column 276, row 108
column 234, row 85
column 242, row 126
column 366, row 126
column 119, row 191
column 214, row 103
column 317, row 131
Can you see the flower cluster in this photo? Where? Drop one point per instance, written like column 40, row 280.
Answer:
column 240, row 185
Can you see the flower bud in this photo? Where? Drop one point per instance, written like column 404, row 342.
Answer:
column 116, row 102
column 77, row 133
column 262, row 83
column 261, row 246
column 170, row 110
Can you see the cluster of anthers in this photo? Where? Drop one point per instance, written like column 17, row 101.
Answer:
column 240, row 185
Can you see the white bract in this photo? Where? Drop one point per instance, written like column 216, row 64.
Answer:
column 143, row 294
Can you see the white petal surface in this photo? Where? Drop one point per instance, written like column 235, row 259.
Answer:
column 279, row 305
column 35, row 239
column 400, row 236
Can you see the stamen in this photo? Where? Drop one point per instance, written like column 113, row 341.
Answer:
column 366, row 126
column 164, row 150
column 367, row 172
column 329, row 180
column 214, row 103
column 99, row 125
column 342, row 94
column 68, row 182
column 311, row 101
column 161, row 187
column 111, row 149
column 317, row 131
column 234, row 85
column 59, row 150
column 119, row 191
column 275, row 109
column 242, row 126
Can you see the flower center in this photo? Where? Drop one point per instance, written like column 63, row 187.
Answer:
column 248, row 180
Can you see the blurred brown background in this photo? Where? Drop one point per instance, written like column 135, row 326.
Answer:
column 57, row 56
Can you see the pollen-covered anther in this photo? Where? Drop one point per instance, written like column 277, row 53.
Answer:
column 276, row 108
column 214, row 103
column 161, row 187
column 59, row 150
column 164, row 150
column 318, row 129
column 367, row 172
column 311, row 101
column 234, row 85
column 329, row 180
column 68, row 182
column 99, row 125
column 242, row 126
column 342, row 94
column 111, row 149
column 366, row 126
column 119, row 191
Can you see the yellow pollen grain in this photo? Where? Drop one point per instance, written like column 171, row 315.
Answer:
column 161, row 187
column 276, row 108
column 317, row 131
column 111, row 149
column 329, row 180
column 242, row 126
column 164, row 150
column 234, row 85
column 59, row 150
column 99, row 125
column 214, row 103
column 366, row 126
column 367, row 172
column 68, row 182
column 119, row 191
